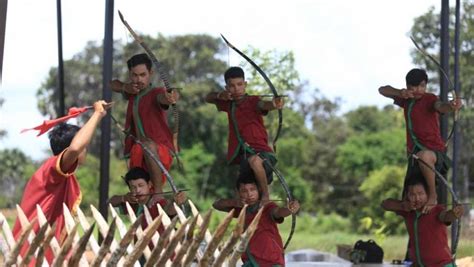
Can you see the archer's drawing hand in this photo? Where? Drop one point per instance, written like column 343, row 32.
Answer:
column 458, row 211
column 180, row 198
column 293, row 206
column 455, row 104
column 130, row 198
column 278, row 102
column 407, row 206
column 172, row 97
column 406, row 94
column 224, row 95
column 131, row 88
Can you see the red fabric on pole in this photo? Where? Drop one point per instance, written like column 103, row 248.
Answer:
column 48, row 124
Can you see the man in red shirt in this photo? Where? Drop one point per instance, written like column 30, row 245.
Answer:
column 428, row 234
column 146, row 115
column 265, row 248
column 248, row 138
column 55, row 183
column 141, row 191
column 422, row 123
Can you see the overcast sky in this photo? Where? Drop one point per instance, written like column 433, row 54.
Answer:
column 345, row 48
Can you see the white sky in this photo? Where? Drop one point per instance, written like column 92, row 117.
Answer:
column 346, row 48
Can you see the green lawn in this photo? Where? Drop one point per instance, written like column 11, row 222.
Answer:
column 394, row 246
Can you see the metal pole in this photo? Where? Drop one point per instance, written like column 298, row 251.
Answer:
column 3, row 25
column 456, row 141
column 444, row 84
column 61, row 106
column 107, row 96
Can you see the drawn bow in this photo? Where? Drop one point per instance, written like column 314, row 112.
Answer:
column 162, row 75
column 439, row 175
column 280, row 121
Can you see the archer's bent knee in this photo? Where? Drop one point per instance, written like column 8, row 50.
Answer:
column 428, row 156
column 255, row 161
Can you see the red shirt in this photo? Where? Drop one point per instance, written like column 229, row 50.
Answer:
column 265, row 245
column 145, row 113
column 49, row 188
column 250, row 124
column 425, row 122
column 432, row 237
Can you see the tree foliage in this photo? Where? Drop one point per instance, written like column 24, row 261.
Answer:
column 15, row 169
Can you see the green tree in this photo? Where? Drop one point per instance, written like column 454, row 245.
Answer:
column 383, row 183
column 371, row 146
column 15, row 170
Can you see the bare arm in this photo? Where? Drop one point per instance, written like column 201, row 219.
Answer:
column 391, row 92
column 121, row 87
column 282, row 212
column 396, row 205
column 213, row 97
column 445, row 107
column 276, row 103
column 450, row 216
column 168, row 98
column 179, row 199
column 227, row 204
column 117, row 200
column 83, row 137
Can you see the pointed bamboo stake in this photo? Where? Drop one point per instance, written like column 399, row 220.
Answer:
column 54, row 244
column 24, row 222
column 236, row 233
column 105, row 248
column 120, row 226
column 4, row 248
column 126, row 240
column 195, row 212
column 216, row 239
column 80, row 247
column 15, row 252
column 86, row 225
column 59, row 260
column 8, row 233
column 172, row 245
column 165, row 236
column 197, row 240
column 46, row 245
column 244, row 241
column 143, row 242
column 149, row 220
column 103, row 226
column 133, row 217
column 34, row 245
column 177, row 262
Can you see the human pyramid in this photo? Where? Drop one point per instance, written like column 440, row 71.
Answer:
column 53, row 192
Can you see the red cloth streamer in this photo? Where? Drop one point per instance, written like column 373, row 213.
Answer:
column 48, row 124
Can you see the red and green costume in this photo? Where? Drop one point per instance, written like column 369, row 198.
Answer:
column 148, row 117
column 249, row 120
column 422, row 125
column 428, row 238
column 265, row 248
